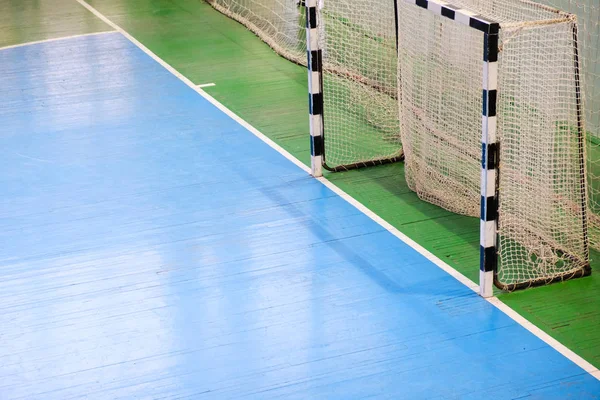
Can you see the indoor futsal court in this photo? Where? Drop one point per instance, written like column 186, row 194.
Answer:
column 315, row 199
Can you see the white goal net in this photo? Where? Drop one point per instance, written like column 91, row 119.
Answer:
column 279, row 23
column 588, row 21
column 360, row 110
column 542, row 212
column 358, row 39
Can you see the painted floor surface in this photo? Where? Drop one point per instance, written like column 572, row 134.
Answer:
column 270, row 93
column 154, row 248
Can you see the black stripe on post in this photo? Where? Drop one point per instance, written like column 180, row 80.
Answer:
column 490, row 48
column 316, row 145
column 316, row 60
column 311, row 17
column 422, row 3
column 396, row 21
column 484, row 25
column 489, row 208
column 316, row 103
column 489, row 103
column 488, row 259
column 448, row 12
column 489, row 155
column 494, row 28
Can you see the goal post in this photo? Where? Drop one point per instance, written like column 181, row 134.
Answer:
column 491, row 125
column 315, row 88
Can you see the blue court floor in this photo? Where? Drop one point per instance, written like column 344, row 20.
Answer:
column 152, row 248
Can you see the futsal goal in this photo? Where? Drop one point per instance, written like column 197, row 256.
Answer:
column 492, row 124
column 488, row 101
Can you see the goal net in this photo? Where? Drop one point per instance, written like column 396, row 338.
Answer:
column 358, row 42
column 588, row 21
column 279, row 23
column 540, row 181
column 360, row 112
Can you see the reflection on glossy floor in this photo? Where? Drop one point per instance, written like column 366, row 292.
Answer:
column 154, row 248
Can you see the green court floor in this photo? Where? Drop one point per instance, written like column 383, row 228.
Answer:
column 24, row 21
column 270, row 93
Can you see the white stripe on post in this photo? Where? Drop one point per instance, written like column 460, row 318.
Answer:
column 435, row 7
column 313, row 39
column 464, row 16
column 315, row 81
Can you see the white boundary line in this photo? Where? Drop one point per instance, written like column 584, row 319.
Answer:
column 562, row 349
column 12, row 46
column 206, row 85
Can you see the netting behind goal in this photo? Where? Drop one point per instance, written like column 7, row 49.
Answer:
column 279, row 23
column 541, row 227
column 360, row 114
column 358, row 40
column 588, row 21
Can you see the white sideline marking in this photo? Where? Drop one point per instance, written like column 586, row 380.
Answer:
column 12, row 46
column 200, row 91
column 205, row 85
column 562, row 349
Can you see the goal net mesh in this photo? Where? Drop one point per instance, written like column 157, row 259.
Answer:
column 588, row 21
column 359, row 69
column 541, row 230
column 279, row 23
column 359, row 81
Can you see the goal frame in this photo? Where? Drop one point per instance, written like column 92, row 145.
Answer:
column 490, row 154
column 316, row 105
column 490, row 147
